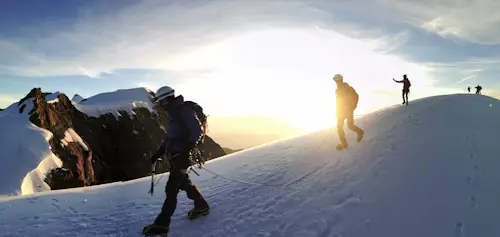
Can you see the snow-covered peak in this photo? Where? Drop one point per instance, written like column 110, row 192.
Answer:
column 427, row 169
column 77, row 98
column 112, row 102
column 52, row 98
column 26, row 105
column 25, row 155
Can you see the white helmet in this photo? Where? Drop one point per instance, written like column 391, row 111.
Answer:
column 338, row 77
column 163, row 93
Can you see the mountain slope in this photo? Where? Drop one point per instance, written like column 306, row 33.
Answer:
column 49, row 142
column 25, row 153
column 428, row 169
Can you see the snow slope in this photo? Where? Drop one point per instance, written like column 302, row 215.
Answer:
column 113, row 102
column 25, row 155
column 427, row 169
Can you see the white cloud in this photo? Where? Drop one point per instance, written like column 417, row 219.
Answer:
column 476, row 21
column 95, row 74
column 465, row 79
column 152, row 34
column 158, row 34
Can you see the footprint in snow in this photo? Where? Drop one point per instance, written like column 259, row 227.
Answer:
column 469, row 180
column 473, row 201
column 459, row 229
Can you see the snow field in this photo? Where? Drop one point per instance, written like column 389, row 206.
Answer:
column 427, row 169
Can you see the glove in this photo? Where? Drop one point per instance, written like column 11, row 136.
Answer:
column 158, row 153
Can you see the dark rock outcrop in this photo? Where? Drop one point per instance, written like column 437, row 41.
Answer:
column 230, row 151
column 111, row 149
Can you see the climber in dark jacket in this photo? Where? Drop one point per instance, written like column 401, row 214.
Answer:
column 183, row 133
column 347, row 101
column 478, row 89
column 406, row 88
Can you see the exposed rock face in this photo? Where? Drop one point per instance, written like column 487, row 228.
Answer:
column 104, row 149
column 230, row 151
column 211, row 149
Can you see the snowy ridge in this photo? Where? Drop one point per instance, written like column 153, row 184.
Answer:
column 52, row 98
column 113, row 102
column 427, row 169
column 26, row 156
column 34, row 181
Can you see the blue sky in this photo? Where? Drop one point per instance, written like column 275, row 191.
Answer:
column 235, row 55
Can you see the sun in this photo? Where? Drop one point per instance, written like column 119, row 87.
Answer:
column 287, row 73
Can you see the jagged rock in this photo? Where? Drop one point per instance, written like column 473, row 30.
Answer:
column 108, row 148
column 59, row 118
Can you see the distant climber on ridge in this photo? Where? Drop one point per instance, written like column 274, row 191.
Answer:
column 406, row 88
column 478, row 89
column 183, row 134
column 347, row 101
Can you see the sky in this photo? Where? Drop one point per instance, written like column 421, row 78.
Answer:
column 255, row 57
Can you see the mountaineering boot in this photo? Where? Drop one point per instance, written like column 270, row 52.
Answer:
column 197, row 211
column 360, row 135
column 341, row 146
column 155, row 230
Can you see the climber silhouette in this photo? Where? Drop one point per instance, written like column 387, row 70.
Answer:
column 346, row 101
column 468, row 88
column 406, row 88
column 478, row 89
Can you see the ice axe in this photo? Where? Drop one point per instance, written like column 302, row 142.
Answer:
column 153, row 172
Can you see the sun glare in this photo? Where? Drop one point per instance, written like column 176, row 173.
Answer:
column 287, row 73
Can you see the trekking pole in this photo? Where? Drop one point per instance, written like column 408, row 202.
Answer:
column 151, row 190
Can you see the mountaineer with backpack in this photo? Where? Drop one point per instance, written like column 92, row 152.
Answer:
column 184, row 132
column 347, row 101
column 478, row 89
column 406, row 88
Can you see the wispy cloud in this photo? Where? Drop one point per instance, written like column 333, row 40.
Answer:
column 151, row 34
column 474, row 21
column 95, row 74
column 465, row 79
column 181, row 40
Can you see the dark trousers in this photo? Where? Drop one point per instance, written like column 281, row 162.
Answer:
column 349, row 116
column 178, row 180
column 405, row 94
